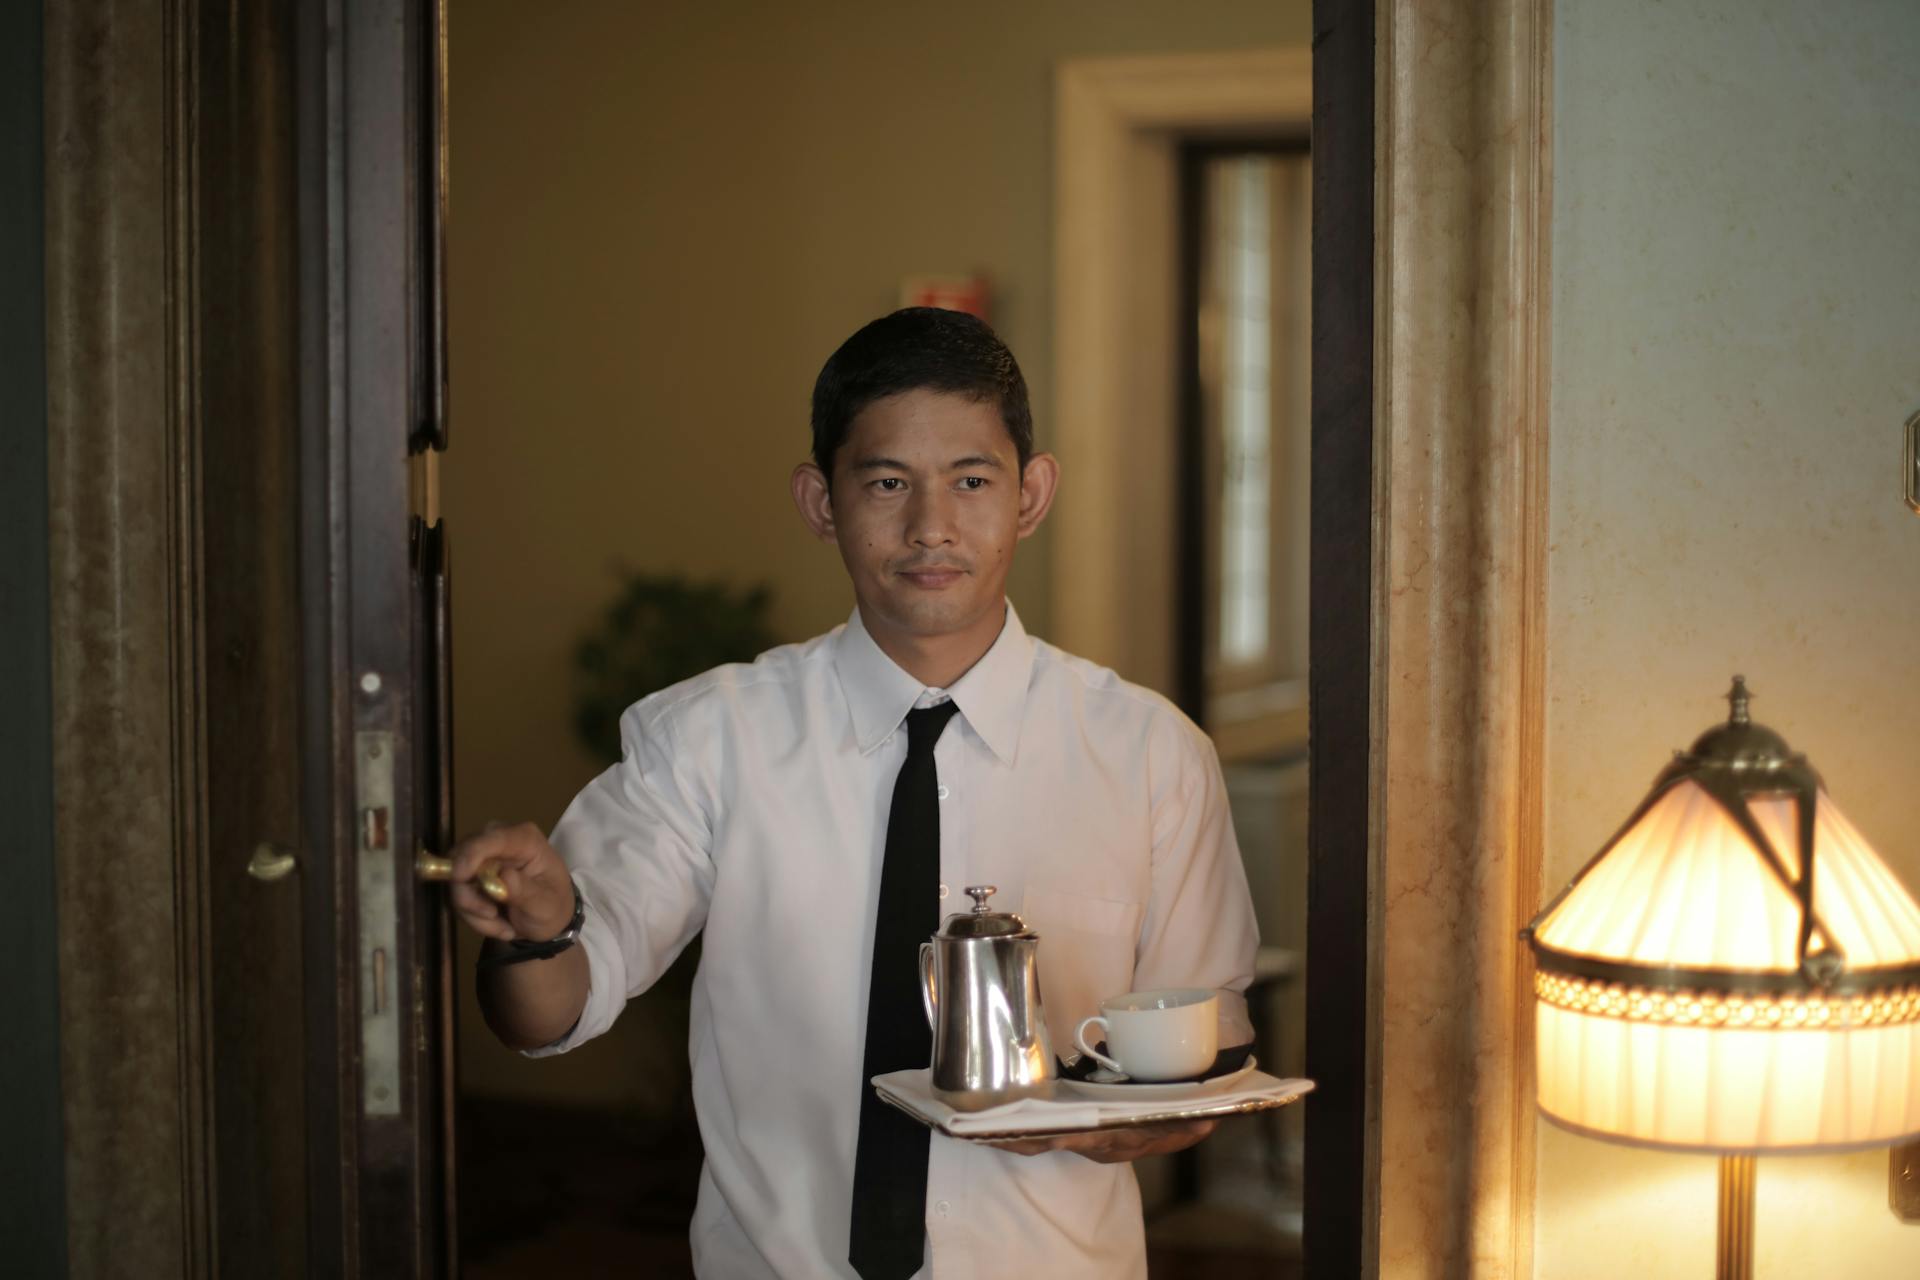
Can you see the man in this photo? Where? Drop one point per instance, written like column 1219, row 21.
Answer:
column 816, row 812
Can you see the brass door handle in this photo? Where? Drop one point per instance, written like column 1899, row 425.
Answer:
column 271, row 862
column 431, row 866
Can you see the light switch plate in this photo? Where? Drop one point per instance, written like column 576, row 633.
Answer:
column 1910, row 473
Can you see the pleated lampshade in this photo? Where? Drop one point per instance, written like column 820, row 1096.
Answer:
column 1737, row 971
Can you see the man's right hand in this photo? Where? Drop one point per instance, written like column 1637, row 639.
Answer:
column 539, row 893
column 534, row 1002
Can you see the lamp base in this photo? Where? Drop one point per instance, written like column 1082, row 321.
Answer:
column 1734, row 1259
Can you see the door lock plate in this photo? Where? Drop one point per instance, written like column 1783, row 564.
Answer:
column 379, row 924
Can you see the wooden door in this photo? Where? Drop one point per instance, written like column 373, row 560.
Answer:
column 246, row 604
column 374, row 587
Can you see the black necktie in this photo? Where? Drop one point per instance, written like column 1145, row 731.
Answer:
column 889, row 1226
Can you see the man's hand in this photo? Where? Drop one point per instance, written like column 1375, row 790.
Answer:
column 1116, row 1146
column 532, row 1003
column 539, row 895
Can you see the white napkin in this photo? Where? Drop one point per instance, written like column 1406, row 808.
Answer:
column 913, row 1091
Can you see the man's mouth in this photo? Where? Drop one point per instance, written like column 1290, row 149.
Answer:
column 933, row 577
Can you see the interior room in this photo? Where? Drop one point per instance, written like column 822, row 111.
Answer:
column 720, row 202
column 1495, row 424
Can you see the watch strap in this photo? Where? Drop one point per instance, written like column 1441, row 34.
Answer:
column 521, row 949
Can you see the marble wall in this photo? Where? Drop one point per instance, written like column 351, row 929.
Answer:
column 1735, row 320
column 1459, row 464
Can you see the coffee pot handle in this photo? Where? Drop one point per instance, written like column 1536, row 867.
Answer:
column 927, row 996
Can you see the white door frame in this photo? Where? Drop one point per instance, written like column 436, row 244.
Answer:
column 1119, row 122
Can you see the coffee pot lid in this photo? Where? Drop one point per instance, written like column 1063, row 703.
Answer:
column 982, row 923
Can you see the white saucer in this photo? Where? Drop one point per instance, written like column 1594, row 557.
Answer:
column 1112, row 1087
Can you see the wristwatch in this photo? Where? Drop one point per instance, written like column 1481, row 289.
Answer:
column 527, row 949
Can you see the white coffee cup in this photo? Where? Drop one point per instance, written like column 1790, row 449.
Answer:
column 1168, row 1034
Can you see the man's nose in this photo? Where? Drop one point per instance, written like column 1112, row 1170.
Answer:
column 930, row 519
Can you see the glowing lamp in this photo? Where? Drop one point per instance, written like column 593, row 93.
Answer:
column 1736, row 972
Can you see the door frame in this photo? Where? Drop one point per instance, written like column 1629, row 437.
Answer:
column 378, row 994
column 1442, row 103
column 1341, row 1207
column 1119, row 123
column 208, row 1043
column 159, row 278
column 32, row 1181
column 1457, row 133
column 1432, row 178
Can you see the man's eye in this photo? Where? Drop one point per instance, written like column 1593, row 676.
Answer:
column 889, row 484
column 973, row 482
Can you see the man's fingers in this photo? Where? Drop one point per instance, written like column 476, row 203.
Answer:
column 521, row 873
column 515, row 846
column 1109, row 1146
column 469, row 901
column 469, row 855
column 480, row 913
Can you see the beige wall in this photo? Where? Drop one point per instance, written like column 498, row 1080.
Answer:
column 1736, row 316
column 664, row 218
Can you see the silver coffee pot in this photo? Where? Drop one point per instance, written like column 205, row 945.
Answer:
column 981, row 981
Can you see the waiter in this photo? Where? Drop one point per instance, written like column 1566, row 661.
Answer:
column 817, row 811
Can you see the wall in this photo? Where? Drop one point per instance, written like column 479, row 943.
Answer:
column 1735, row 311
column 664, row 218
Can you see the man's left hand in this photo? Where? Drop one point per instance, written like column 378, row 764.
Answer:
column 1116, row 1146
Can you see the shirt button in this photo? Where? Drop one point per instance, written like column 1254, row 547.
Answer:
column 943, row 891
column 944, row 793
column 942, row 1208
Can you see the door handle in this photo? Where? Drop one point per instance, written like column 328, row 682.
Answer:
column 271, row 862
column 431, row 867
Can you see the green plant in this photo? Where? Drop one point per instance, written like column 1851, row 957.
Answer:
column 659, row 630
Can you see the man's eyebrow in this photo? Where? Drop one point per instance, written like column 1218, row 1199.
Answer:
column 958, row 464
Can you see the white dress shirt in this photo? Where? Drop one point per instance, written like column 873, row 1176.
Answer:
column 752, row 802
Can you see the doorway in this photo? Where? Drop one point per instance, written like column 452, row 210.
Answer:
column 607, row 261
column 1241, row 621
column 585, row 317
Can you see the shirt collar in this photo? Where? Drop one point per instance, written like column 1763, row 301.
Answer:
column 992, row 695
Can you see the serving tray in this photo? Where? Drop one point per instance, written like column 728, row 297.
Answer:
column 1065, row 1113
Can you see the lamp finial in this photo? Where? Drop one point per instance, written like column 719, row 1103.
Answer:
column 1737, row 698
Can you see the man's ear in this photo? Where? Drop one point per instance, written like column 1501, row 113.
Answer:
column 815, row 501
column 1038, row 483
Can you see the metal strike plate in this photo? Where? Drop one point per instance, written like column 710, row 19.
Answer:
column 379, row 924
column 1903, row 1182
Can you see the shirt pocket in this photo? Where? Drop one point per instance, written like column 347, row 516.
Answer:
column 1087, row 947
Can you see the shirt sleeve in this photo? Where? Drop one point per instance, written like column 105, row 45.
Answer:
column 639, row 845
column 1199, row 928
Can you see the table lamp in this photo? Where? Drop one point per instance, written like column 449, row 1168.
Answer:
column 1736, row 972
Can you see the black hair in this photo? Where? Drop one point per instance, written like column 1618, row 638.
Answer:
column 918, row 348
